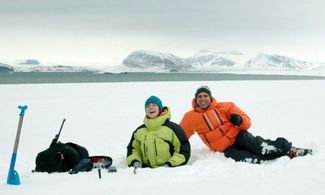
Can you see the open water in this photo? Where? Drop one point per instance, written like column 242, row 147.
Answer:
column 89, row 77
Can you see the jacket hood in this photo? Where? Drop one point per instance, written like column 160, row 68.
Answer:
column 153, row 124
column 198, row 109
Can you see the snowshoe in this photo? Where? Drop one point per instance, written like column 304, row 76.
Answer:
column 101, row 161
column 295, row 152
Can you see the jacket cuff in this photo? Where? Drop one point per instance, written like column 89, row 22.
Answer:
column 168, row 164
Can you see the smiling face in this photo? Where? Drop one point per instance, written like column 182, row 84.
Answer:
column 152, row 111
column 203, row 100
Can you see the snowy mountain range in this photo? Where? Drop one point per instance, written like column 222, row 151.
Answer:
column 5, row 68
column 202, row 61
column 263, row 60
column 207, row 58
column 148, row 60
column 209, row 61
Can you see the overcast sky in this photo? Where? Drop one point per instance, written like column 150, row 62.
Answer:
column 103, row 32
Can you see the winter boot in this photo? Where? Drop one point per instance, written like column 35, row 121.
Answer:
column 295, row 152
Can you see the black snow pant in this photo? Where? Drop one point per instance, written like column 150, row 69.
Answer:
column 255, row 149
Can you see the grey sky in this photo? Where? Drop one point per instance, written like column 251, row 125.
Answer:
column 105, row 31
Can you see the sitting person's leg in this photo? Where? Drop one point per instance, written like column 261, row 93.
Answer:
column 241, row 155
column 266, row 147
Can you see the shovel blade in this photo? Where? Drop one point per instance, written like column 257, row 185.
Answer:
column 13, row 178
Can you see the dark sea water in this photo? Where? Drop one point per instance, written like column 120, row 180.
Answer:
column 88, row 77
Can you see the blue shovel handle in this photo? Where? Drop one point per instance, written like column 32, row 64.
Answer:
column 22, row 110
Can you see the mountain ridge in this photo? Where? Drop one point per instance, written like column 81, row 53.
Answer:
column 202, row 61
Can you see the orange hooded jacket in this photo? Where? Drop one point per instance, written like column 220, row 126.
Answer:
column 213, row 124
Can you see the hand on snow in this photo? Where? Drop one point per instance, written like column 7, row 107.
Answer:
column 167, row 164
column 236, row 119
column 137, row 164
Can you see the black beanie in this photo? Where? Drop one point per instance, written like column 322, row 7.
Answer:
column 204, row 89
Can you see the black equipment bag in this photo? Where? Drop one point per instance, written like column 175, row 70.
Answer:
column 60, row 157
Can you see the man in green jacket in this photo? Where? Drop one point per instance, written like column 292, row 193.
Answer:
column 158, row 142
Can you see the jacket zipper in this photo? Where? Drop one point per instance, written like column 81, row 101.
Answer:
column 144, row 147
column 155, row 143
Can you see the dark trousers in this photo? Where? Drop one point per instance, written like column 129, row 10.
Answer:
column 255, row 149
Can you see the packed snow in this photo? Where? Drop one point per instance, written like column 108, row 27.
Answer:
column 102, row 117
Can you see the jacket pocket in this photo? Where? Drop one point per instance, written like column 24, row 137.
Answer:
column 218, row 141
column 163, row 148
column 214, row 135
column 221, row 144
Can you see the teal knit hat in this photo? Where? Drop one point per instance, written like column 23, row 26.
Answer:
column 154, row 100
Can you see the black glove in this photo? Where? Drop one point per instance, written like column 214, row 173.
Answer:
column 236, row 119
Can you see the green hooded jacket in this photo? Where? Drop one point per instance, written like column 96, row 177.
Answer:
column 158, row 142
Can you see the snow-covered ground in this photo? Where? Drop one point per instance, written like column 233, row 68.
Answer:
column 102, row 117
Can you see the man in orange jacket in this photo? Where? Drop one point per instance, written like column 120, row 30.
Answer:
column 222, row 126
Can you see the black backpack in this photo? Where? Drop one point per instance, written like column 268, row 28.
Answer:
column 60, row 157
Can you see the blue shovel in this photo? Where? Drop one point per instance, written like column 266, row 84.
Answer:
column 13, row 177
